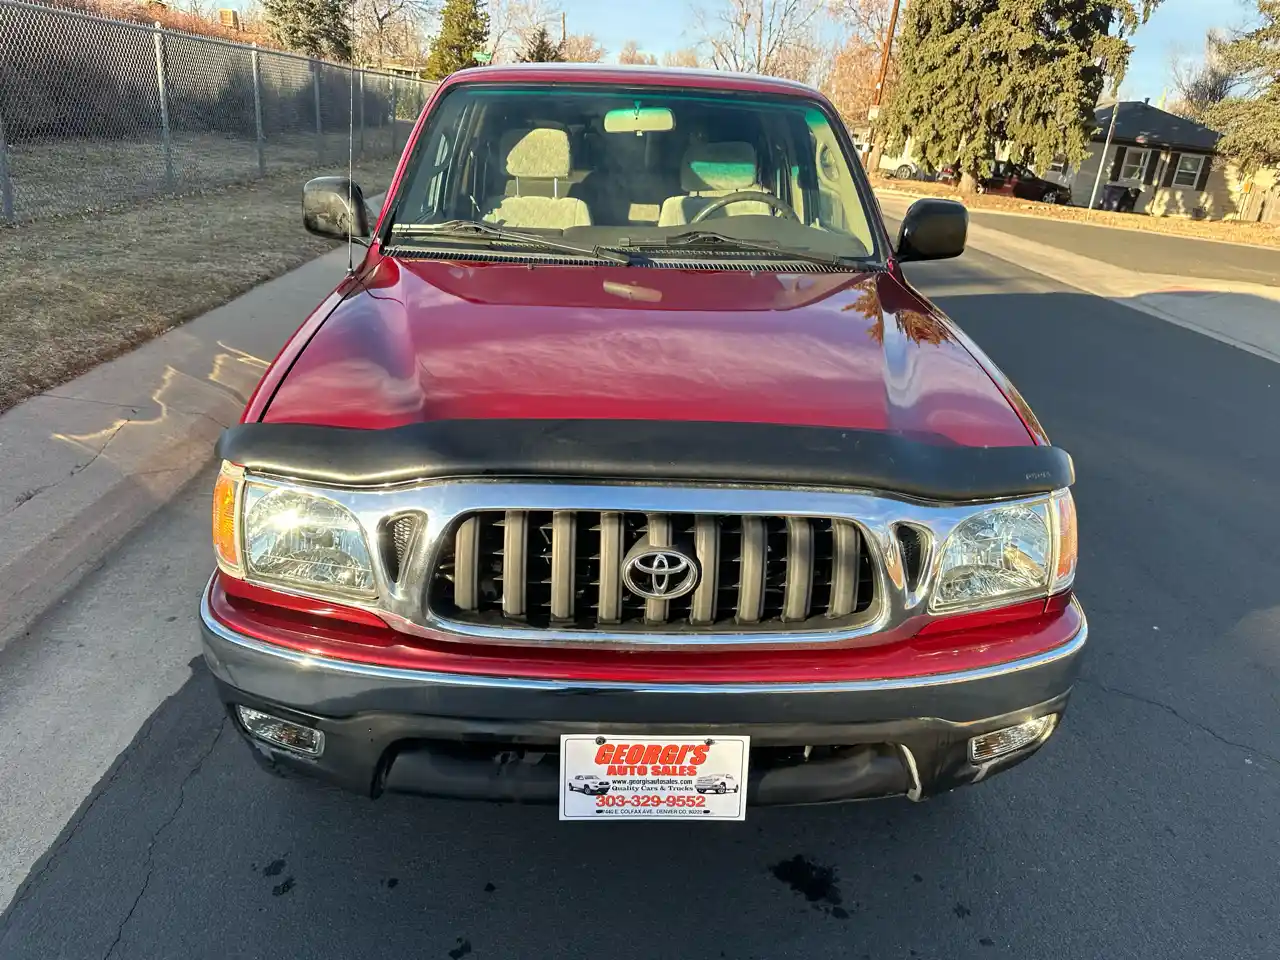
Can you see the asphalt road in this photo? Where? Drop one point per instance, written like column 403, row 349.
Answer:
column 1143, row 251
column 1148, row 827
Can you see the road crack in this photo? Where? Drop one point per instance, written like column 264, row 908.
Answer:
column 155, row 837
column 1128, row 695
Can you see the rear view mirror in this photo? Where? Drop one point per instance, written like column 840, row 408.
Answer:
column 332, row 206
column 639, row 120
column 933, row 230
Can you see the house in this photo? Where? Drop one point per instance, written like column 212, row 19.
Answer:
column 1170, row 159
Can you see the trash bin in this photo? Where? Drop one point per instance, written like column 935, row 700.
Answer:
column 1119, row 198
column 1112, row 196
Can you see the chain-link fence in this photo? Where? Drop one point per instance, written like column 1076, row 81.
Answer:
column 95, row 113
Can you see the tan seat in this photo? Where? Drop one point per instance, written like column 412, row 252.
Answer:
column 711, row 170
column 537, row 160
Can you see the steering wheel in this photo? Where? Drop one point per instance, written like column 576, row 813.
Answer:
column 745, row 196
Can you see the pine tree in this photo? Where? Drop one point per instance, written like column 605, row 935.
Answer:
column 1250, row 123
column 318, row 28
column 540, row 49
column 464, row 30
column 978, row 75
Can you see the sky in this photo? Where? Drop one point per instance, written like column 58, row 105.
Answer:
column 1176, row 27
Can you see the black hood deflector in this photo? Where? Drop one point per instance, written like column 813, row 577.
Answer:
column 648, row 450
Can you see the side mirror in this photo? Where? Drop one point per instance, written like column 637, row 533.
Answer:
column 327, row 213
column 933, row 230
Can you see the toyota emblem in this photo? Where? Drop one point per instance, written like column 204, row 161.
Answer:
column 660, row 573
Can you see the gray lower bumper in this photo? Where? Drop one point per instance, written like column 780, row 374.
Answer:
column 372, row 715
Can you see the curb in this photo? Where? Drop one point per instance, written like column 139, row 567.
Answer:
column 89, row 461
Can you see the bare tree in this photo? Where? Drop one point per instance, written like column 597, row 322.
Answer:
column 388, row 30
column 774, row 37
column 684, row 57
column 1198, row 86
column 631, row 53
column 513, row 22
column 582, row 48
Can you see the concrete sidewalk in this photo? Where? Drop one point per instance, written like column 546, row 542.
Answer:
column 1245, row 315
column 84, row 463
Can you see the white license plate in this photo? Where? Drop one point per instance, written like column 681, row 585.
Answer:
column 676, row 778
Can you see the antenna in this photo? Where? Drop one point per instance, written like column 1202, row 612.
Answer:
column 351, row 137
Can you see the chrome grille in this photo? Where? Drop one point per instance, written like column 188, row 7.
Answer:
column 563, row 569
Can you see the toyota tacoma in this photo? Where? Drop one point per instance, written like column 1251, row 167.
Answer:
column 627, row 432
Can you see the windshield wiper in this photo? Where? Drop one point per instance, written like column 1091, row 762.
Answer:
column 710, row 240
column 476, row 228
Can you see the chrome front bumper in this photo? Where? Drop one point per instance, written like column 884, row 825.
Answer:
column 370, row 713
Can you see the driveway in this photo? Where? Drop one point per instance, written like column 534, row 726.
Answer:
column 1147, row 828
column 1143, row 251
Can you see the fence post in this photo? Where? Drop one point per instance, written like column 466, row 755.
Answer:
column 315, row 85
column 362, row 114
column 162, row 83
column 395, row 137
column 6, row 183
column 257, row 112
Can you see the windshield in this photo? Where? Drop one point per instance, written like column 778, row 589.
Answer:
column 615, row 167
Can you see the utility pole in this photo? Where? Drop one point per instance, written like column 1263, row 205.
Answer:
column 564, row 29
column 1106, row 147
column 873, row 155
column 884, row 54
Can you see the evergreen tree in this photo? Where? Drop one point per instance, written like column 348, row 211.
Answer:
column 318, row 28
column 540, row 49
column 1250, row 122
column 976, row 75
column 464, row 30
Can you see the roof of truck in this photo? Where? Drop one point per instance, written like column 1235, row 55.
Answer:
column 631, row 74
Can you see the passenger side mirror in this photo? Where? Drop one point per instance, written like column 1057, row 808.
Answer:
column 326, row 211
column 933, row 230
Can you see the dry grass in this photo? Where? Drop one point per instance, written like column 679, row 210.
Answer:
column 113, row 174
column 76, row 292
column 1257, row 234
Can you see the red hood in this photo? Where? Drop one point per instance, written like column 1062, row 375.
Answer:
column 433, row 340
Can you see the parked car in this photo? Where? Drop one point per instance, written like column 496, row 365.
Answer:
column 627, row 421
column 716, row 783
column 585, row 783
column 1014, row 180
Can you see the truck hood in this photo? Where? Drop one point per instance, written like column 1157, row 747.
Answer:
column 425, row 340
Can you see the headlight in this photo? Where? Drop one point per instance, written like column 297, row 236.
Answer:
column 304, row 540
column 998, row 555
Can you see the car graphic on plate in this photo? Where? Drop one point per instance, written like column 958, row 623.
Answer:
column 716, row 783
column 588, row 784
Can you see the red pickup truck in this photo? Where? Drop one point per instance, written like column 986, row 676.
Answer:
column 627, row 454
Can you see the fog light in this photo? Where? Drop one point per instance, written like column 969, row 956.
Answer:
column 998, row 743
column 283, row 733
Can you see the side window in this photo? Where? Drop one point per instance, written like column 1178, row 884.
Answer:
column 440, row 168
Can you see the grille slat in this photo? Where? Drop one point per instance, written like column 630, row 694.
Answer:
column 466, row 565
column 799, row 573
column 563, row 565
column 751, row 571
column 845, row 569
column 513, row 562
column 706, row 542
column 564, row 569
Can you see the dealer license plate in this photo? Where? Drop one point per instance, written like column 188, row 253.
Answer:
column 681, row 778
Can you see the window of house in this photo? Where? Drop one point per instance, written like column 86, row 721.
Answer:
column 1135, row 161
column 1188, row 171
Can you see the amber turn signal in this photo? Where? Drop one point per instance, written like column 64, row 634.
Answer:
column 1068, row 544
column 226, row 544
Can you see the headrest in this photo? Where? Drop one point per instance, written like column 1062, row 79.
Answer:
column 730, row 165
column 540, row 153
